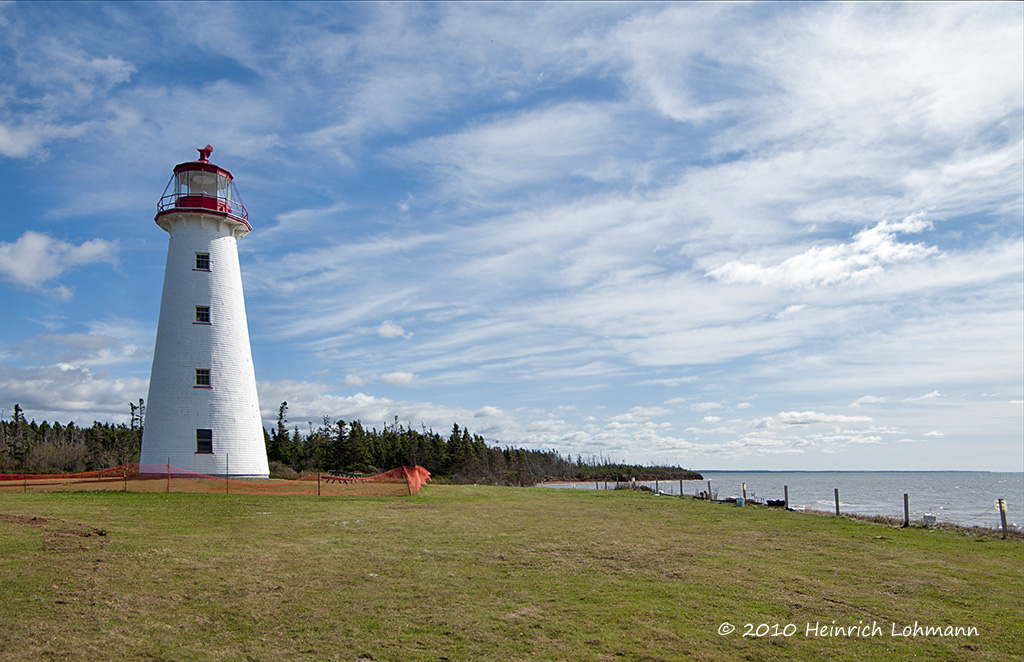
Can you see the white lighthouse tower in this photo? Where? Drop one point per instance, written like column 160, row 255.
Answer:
column 203, row 413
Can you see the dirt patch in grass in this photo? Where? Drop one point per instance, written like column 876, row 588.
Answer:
column 60, row 535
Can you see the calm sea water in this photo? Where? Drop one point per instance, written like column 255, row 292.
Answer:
column 958, row 497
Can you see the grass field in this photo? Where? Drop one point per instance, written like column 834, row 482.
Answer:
column 488, row 573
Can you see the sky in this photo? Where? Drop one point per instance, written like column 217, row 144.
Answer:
column 718, row 235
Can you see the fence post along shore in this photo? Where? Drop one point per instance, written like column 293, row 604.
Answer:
column 928, row 520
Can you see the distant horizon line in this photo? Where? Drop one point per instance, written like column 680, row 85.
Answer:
column 853, row 471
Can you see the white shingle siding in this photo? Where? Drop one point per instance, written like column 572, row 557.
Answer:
column 175, row 408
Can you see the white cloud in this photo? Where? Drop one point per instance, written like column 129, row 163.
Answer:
column 489, row 412
column 791, row 310
column 754, row 445
column 868, row 400
column 21, row 141
column 927, row 396
column 65, row 392
column 397, row 378
column 858, row 75
column 802, row 418
column 389, row 329
column 36, row 258
column 640, row 414
column 864, row 257
column 702, row 407
column 705, row 431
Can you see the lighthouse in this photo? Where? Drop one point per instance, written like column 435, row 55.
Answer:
column 203, row 412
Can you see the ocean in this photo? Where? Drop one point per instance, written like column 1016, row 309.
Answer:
column 967, row 498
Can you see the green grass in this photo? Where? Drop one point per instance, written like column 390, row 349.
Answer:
column 484, row 573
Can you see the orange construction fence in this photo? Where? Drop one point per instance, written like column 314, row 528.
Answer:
column 400, row 481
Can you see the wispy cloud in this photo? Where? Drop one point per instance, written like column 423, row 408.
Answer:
column 57, row 82
column 656, row 231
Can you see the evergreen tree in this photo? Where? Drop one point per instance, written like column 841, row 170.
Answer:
column 279, row 437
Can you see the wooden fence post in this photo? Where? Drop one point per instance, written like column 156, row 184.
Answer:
column 709, row 490
column 837, row 502
column 785, row 492
column 906, row 510
column 1002, row 515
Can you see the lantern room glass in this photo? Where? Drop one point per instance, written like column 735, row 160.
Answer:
column 203, row 189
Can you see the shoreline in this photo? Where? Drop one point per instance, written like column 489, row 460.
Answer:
column 1013, row 531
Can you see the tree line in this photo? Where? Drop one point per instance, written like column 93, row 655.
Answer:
column 461, row 457
column 336, row 447
column 30, row 447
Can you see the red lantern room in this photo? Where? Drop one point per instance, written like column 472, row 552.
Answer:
column 202, row 187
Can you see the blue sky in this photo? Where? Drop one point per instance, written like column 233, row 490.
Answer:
column 725, row 236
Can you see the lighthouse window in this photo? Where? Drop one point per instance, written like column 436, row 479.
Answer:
column 203, row 261
column 202, row 314
column 203, row 377
column 204, row 441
